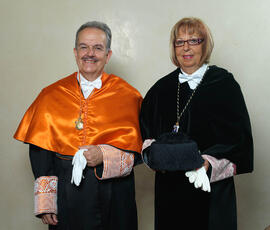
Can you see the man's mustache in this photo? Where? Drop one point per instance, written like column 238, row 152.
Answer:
column 92, row 58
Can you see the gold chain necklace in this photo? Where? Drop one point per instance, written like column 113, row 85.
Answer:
column 79, row 121
column 179, row 115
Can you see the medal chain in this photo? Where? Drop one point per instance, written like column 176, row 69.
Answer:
column 79, row 121
column 178, row 116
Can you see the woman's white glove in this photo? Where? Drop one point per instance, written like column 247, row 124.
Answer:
column 199, row 178
column 79, row 163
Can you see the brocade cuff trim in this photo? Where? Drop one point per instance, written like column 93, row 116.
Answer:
column 221, row 169
column 45, row 191
column 116, row 163
column 147, row 143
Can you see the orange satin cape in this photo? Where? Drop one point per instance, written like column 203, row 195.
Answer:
column 110, row 116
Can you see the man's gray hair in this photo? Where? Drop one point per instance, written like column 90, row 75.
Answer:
column 99, row 25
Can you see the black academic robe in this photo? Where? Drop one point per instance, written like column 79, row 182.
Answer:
column 49, row 127
column 95, row 204
column 217, row 120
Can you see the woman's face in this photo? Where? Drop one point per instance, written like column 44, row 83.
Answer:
column 188, row 56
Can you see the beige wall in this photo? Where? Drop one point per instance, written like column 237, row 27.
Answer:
column 37, row 39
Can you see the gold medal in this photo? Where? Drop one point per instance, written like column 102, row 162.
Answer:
column 79, row 124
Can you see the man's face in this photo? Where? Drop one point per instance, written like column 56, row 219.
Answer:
column 91, row 54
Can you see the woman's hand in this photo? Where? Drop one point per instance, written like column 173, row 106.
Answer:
column 206, row 165
column 199, row 178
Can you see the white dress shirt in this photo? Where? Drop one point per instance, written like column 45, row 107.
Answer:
column 88, row 86
column 195, row 78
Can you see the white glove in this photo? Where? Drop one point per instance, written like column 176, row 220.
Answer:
column 79, row 163
column 199, row 178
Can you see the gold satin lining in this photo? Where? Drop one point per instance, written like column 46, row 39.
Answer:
column 110, row 116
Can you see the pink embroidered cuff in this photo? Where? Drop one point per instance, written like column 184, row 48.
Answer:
column 116, row 163
column 45, row 191
column 221, row 169
column 147, row 143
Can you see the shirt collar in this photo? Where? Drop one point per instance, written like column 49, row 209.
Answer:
column 199, row 72
column 88, row 86
column 195, row 78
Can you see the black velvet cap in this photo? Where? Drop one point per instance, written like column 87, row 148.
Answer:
column 173, row 152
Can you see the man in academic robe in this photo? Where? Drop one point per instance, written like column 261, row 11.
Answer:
column 84, row 138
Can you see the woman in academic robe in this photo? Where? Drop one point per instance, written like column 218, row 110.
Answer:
column 197, row 136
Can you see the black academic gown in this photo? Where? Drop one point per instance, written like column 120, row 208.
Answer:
column 217, row 120
column 95, row 204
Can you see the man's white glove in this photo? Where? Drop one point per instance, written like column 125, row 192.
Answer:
column 199, row 178
column 79, row 163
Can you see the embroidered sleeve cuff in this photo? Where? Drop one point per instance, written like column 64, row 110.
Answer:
column 147, row 143
column 116, row 163
column 221, row 169
column 144, row 153
column 45, row 191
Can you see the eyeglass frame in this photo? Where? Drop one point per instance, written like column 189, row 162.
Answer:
column 98, row 48
column 199, row 40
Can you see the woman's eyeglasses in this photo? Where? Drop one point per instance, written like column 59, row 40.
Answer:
column 191, row 42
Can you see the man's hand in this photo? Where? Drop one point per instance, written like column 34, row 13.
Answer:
column 93, row 155
column 49, row 219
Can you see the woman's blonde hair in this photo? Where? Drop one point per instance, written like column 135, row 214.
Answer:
column 192, row 25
